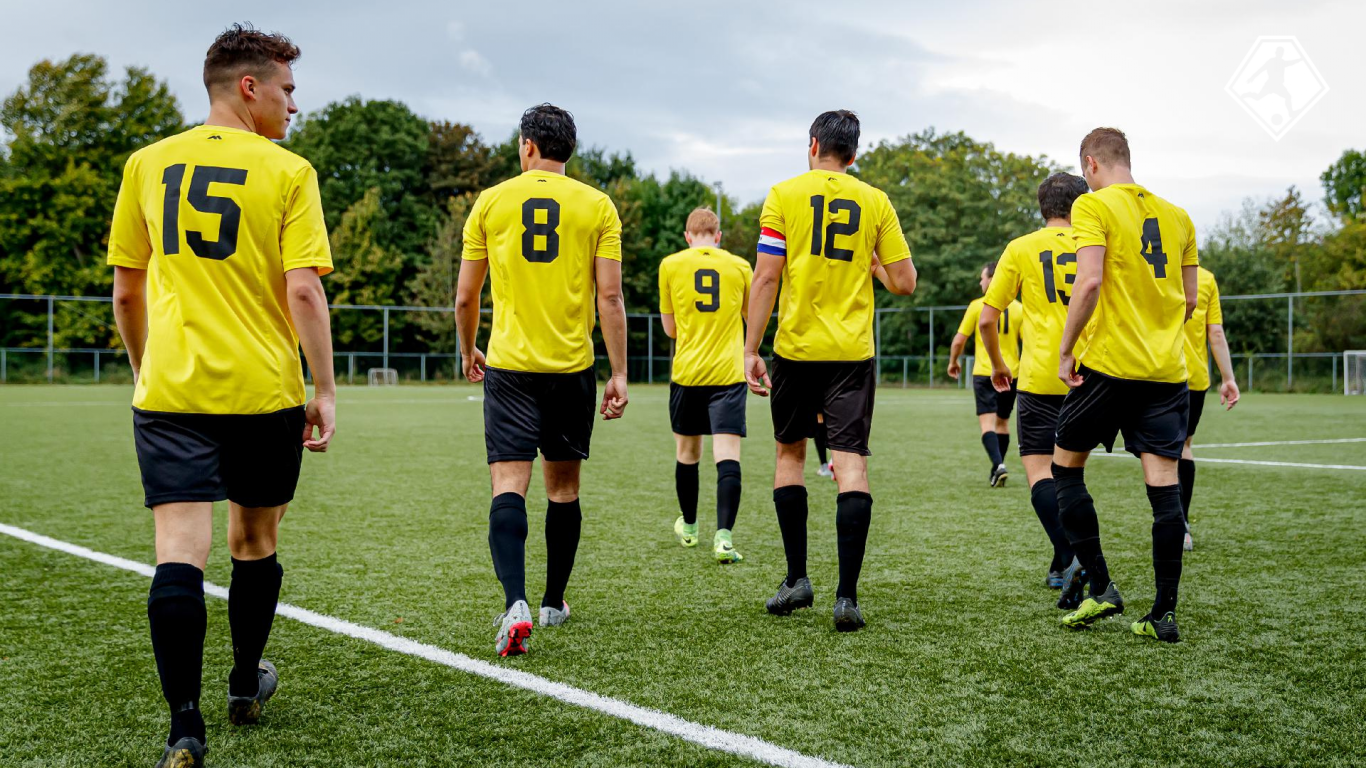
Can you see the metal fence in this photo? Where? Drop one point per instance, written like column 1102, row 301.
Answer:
column 912, row 342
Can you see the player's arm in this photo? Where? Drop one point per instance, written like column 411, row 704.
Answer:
column 474, row 268
column 670, row 329
column 313, row 324
column 130, row 252
column 130, row 313
column 666, row 304
column 960, row 339
column 1190, row 282
column 1218, row 344
column 612, row 316
column 896, row 271
column 1005, row 286
column 1085, row 295
column 763, row 291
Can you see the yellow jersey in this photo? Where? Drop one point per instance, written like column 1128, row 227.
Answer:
column 707, row 291
column 827, row 226
column 217, row 216
column 540, row 233
column 1040, row 268
column 1007, row 329
column 1137, row 331
column 1207, row 313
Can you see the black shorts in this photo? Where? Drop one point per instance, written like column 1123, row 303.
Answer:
column 841, row 391
column 991, row 401
column 1151, row 414
column 708, row 410
column 250, row 459
column 1037, row 422
column 552, row 412
column 1197, row 410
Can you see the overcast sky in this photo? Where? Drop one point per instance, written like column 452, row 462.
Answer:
column 728, row 89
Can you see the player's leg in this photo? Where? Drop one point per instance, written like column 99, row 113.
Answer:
column 253, row 596
column 985, row 398
column 1186, row 466
column 1037, row 423
column 1157, row 433
column 567, row 410
column 795, row 395
column 1005, row 403
column 726, row 423
column 508, row 527
column 687, row 454
column 821, row 439
column 848, row 406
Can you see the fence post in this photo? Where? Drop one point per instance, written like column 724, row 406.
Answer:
column 877, row 349
column 1250, row 356
column 931, row 347
column 49, row 340
column 1289, row 342
column 350, row 367
column 386, row 337
column 4, row 367
column 650, row 335
column 905, row 370
column 423, row 375
column 1335, row 374
column 97, row 366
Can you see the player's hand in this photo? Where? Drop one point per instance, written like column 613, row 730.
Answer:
column 1229, row 394
column 1067, row 370
column 1000, row 378
column 473, row 366
column 321, row 412
column 877, row 264
column 756, row 375
column 614, row 397
column 954, row 369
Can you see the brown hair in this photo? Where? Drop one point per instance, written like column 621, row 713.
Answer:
column 703, row 222
column 1108, row 146
column 990, row 267
column 245, row 50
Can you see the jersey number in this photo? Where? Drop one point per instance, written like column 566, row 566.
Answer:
column 200, row 199
column 1003, row 325
column 1050, row 288
column 547, row 230
column 1152, row 247
column 708, row 283
column 826, row 245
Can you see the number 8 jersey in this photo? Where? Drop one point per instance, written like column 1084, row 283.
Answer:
column 541, row 232
column 217, row 216
column 1137, row 331
column 828, row 226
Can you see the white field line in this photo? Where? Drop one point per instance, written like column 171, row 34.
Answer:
column 1245, row 461
column 707, row 736
column 1282, row 442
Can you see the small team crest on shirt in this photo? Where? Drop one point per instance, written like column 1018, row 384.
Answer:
column 215, row 137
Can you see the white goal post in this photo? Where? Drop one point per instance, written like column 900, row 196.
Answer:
column 382, row 377
column 1354, row 372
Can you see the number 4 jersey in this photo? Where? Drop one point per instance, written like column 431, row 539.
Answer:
column 828, row 226
column 1137, row 331
column 541, row 232
column 706, row 289
column 217, row 216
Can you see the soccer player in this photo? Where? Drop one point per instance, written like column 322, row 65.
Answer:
column 1207, row 322
column 703, row 296
column 1134, row 290
column 1036, row 267
column 553, row 246
column 217, row 244
column 993, row 408
column 824, row 235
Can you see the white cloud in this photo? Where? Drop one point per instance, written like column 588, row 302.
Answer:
column 475, row 62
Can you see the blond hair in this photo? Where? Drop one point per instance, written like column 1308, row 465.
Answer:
column 703, row 222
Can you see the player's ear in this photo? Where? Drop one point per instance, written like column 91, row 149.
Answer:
column 687, row 236
column 814, row 147
column 247, row 86
column 851, row 160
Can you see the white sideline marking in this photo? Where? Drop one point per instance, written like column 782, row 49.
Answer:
column 1247, row 461
column 1281, row 442
column 705, row 735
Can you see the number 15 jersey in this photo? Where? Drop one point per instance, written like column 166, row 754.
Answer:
column 828, row 226
column 540, row 233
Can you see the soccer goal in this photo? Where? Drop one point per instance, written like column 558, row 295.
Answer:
column 1354, row 372
column 382, row 377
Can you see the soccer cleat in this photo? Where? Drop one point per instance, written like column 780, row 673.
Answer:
column 791, row 598
column 1093, row 609
column 724, row 550
column 999, row 476
column 687, row 534
column 1163, row 629
column 1073, row 583
column 246, row 710
column 826, row 470
column 554, row 617
column 185, row 753
column 848, row 618
column 1054, row 580
column 1188, row 544
column 514, row 627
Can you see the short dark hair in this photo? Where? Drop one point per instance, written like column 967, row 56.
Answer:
column 552, row 130
column 990, row 267
column 1057, row 193
column 245, row 50
column 837, row 133
column 1108, row 146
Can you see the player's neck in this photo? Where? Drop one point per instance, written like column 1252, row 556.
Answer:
column 224, row 116
column 549, row 166
column 829, row 166
column 1057, row 223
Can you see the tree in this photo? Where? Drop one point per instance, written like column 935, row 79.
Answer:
column 366, row 272
column 1286, row 229
column 1344, row 185
column 1236, row 250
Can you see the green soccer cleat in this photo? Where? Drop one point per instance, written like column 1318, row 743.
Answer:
column 1093, row 609
column 186, row 753
column 687, row 534
column 724, row 550
column 246, row 710
column 1163, row 629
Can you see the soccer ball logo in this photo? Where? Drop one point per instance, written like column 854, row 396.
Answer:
column 1277, row 84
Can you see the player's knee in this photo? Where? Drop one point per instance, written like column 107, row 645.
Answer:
column 252, row 542
column 792, row 453
column 1070, row 485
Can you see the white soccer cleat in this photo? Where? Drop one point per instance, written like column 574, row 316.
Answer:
column 514, row 628
column 827, row 470
column 554, row 617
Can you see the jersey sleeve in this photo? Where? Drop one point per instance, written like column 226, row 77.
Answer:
column 609, row 237
column 891, row 241
column 772, row 229
column 475, row 246
column 1214, row 315
column 666, row 300
column 303, row 236
column 969, row 325
column 1088, row 221
column 129, row 243
column 1005, row 284
column 1190, row 257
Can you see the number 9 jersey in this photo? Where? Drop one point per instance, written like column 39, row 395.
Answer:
column 540, row 233
column 828, row 226
column 217, row 216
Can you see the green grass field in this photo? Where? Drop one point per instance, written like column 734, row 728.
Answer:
column 962, row 663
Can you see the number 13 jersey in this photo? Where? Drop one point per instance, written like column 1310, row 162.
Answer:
column 540, row 233
column 1039, row 268
column 217, row 216
column 828, row 226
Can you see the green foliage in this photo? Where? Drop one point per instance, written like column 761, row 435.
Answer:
column 1344, row 185
column 1236, row 251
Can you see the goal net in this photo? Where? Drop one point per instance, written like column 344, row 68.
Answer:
column 383, row 377
column 1354, row 372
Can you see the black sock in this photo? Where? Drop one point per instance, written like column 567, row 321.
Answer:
column 252, row 598
column 1004, row 440
column 175, row 610
column 993, row 447
column 507, row 542
column 1185, row 469
column 822, row 443
column 1077, row 514
column 685, row 482
column 853, row 511
column 790, row 502
column 1044, row 497
column 563, row 521
column 1168, row 532
column 727, row 493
